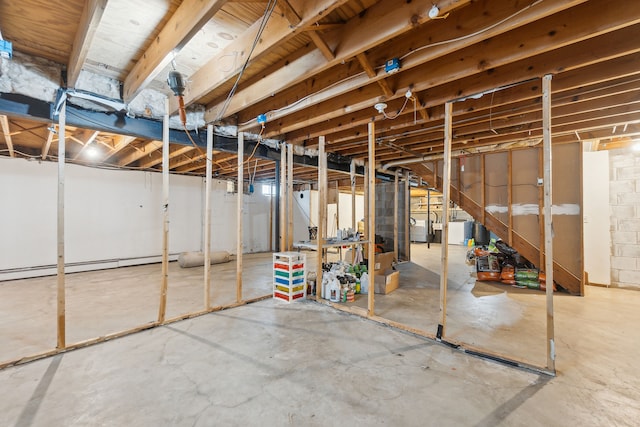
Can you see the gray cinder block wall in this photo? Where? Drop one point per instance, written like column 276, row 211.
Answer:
column 624, row 186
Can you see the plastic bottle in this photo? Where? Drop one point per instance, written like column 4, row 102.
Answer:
column 334, row 291
column 364, row 283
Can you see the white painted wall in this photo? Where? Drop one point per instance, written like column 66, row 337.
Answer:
column 597, row 234
column 113, row 217
column 345, row 211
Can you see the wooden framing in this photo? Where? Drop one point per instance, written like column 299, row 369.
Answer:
column 290, row 198
column 61, row 299
column 509, row 196
column 6, row 131
column 207, row 220
column 165, row 216
column 240, row 211
column 395, row 216
column 371, row 232
column 322, row 214
column 548, row 218
column 446, row 197
column 89, row 21
column 188, row 19
column 352, row 176
column 283, row 197
column 47, row 145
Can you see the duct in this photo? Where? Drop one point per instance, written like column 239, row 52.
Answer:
column 466, row 151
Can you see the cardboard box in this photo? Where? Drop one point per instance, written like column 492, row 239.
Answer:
column 386, row 281
column 385, row 277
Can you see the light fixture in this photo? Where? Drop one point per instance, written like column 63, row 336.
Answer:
column 380, row 107
column 176, row 84
column 635, row 147
column 92, row 152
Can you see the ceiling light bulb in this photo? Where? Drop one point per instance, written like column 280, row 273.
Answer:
column 636, row 147
column 380, row 106
column 92, row 152
column 434, row 12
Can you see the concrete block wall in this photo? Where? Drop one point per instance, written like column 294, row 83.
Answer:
column 624, row 185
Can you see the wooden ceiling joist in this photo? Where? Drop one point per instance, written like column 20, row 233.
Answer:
column 277, row 31
column 91, row 16
column 188, row 19
column 140, row 152
column 382, row 22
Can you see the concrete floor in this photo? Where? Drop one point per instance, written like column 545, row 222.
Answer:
column 272, row 363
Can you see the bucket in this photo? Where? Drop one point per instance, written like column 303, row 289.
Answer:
column 313, row 233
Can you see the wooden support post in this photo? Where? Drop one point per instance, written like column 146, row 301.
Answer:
column 283, row 197
column 541, row 228
column 548, row 219
column 322, row 213
column 366, row 202
column 407, row 214
column 371, row 233
column 352, row 176
column 446, row 196
column 61, row 297
column 290, row 198
column 510, row 195
column 239, row 245
column 483, row 190
column 207, row 220
column 396, row 201
column 165, row 219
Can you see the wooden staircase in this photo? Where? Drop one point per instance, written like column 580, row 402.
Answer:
column 476, row 188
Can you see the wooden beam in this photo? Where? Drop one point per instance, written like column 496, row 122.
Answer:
column 139, row 153
column 383, row 21
column 446, row 67
column 396, row 191
column 322, row 45
column 371, row 233
column 164, row 280
column 187, row 20
column 548, row 219
column 6, row 131
column 352, row 182
column 371, row 73
column 289, row 13
column 240, row 211
column 174, row 153
column 61, row 288
column 122, row 141
column 47, row 145
column 509, row 197
column 207, row 220
column 446, row 197
column 87, row 143
column 89, row 22
column 277, row 31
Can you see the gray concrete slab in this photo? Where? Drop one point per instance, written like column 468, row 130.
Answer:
column 273, row 363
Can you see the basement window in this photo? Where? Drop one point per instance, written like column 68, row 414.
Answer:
column 231, row 187
column 268, row 190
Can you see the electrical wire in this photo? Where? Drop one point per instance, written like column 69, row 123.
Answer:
column 406, row 100
column 468, row 36
column 267, row 14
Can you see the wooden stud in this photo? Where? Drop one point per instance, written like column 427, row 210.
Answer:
column 207, row 220
column 371, row 233
column 6, row 131
column 165, row 216
column 89, row 21
column 322, row 214
column 283, row 197
column 407, row 213
column 541, row 228
column 483, row 189
column 548, row 219
column 446, row 197
column 290, row 198
column 510, row 195
column 395, row 216
column 61, row 298
column 240, row 211
column 352, row 176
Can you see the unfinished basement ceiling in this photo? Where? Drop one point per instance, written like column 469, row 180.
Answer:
column 318, row 68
